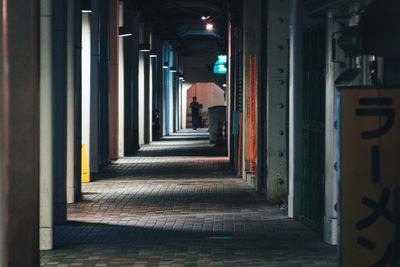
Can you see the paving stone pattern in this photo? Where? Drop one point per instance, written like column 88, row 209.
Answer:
column 176, row 203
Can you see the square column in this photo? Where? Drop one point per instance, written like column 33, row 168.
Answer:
column 19, row 124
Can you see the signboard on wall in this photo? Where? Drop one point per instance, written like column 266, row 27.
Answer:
column 220, row 65
column 370, row 169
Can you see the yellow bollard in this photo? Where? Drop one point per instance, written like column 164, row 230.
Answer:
column 85, row 170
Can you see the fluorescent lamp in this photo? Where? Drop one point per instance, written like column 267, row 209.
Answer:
column 153, row 53
column 166, row 65
column 172, row 69
column 124, row 32
column 86, row 7
column 144, row 47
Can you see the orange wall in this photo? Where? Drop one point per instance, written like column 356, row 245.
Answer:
column 208, row 94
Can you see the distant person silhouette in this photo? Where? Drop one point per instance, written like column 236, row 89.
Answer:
column 195, row 106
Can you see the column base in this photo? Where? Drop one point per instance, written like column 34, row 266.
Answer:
column 46, row 238
column 330, row 230
column 290, row 206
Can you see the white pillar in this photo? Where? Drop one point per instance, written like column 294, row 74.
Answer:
column 70, row 103
column 86, row 87
column 141, row 99
column 46, row 126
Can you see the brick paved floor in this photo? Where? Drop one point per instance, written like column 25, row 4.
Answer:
column 175, row 203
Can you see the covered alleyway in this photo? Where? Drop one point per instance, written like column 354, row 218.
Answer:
column 99, row 166
column 175, row 203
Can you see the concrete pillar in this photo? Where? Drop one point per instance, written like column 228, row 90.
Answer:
column 114, row 80
column 19, row 124
column 176, row 94
column 332, row 172
column 250, row 8
column 295, row 107
column 60, row 110
column 70, row 102
column 146, row 94
column 99, row 85
column 131, row 79
column 94, row 88
column 46, row 126
column 86, row 86
column 278, row 13
column 228, row 93
column 103, row 76
column 78, row 99
column 121, row 87
column 1, row 135
column 142, row 87
column 261, row 96
column 163, row 91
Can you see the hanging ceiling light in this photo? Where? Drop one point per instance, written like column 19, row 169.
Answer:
column 172, row 69
column 153, row 53
column 205, row 17
column 166, row 65
column 144, row 47
column 209, row 26
column 86, row 7
column 124, row 32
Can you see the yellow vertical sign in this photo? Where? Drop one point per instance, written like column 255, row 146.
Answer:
column 85, row 170
column 370, row 167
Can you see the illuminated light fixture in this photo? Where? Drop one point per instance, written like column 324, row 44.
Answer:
column 181, row 77
column 86, row 8
column 209, row 26
column 205, row 17
column 153, row 53
column 224, row 85
column 166, row 65
column 144, row 47
column 124, row 32
column 172, row 69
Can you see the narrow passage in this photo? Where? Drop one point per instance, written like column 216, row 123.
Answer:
column 176, row 203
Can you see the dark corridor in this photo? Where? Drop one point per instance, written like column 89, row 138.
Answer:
column 175, row 203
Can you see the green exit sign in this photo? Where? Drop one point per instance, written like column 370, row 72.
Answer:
column 220, row 65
